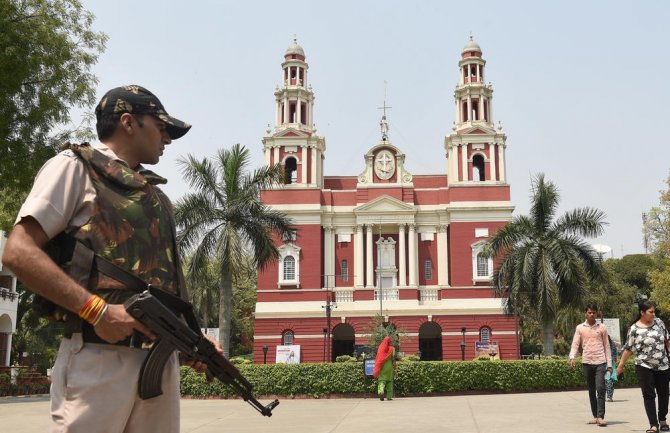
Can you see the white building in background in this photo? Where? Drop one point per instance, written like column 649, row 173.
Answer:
column 9, row 301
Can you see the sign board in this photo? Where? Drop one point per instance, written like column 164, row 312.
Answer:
column 486, row 348
column 212, row 332
column 369, row 366
column 614, row 331
column 289, row 354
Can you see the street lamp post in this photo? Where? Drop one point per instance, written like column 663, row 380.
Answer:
column 265, row 354
column 463, row 344
column 325, row 332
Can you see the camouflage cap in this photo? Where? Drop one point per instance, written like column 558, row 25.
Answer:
column 138, row 100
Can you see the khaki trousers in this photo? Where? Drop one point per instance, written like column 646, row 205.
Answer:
column 94, row 389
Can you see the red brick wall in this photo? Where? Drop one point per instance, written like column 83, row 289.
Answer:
column 345, row 251
column 427, row 250
column 311, row 348
column 309, row 238
column 461, row 238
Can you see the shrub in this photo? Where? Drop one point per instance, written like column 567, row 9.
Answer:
column 345, row 358
column 239, row 360
column 412, row 378
column 411, row 358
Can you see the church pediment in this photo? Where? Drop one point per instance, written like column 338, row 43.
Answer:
column 479, row 129
column 291, row 133
column 385, row 204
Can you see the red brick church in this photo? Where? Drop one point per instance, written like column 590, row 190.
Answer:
column 403, row 245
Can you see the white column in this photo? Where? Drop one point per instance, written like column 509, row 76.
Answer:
column 501, row 150
column 492, row 160
column 298, row 109
column 358, row 256
column 326, row 256
column 491, row 110
column 481, row 108
column 286, row 119
column 464, row 161
column 313, row 174
column 276, row 156
column 311, row 115
column 303, row 161
column 268, row 159
column 278, row 114
column 478, row 80
column 9, row 349
column 402, row 254
column 453, row 163
column 412, row 255
column 331, row 262
column 469, row 116
column 458, row 111
column 369, row 263
column 442, row 256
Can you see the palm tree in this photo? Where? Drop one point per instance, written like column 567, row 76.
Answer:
column 224, row 219
column 544, row 261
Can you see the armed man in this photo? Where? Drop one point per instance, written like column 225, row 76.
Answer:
column 94, row 215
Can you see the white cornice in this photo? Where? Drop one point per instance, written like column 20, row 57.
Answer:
column 311, row 309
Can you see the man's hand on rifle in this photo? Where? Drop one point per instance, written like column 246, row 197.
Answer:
column 116, row 324
column 201, row 367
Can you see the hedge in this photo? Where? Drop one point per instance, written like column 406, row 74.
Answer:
column 412, row 378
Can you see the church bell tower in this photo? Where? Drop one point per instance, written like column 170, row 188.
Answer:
column 475, row 147
column 294, row 142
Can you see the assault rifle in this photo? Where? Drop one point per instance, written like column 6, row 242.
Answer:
column 173, row 333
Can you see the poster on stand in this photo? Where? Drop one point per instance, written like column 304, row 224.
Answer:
column 487, row 348
column 614, row 331
column 289, row 354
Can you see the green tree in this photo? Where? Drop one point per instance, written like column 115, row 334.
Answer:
column 47, row 49
column 35, row 335
column 225, row 219
column 376, row 330
column 656, row 227
column 204, row 295
column 657, row 234
column 634, row 269
column 544, row 262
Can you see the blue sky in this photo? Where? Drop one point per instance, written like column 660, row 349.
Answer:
column 581, row 88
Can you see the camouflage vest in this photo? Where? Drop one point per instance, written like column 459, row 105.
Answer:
column 132, row 226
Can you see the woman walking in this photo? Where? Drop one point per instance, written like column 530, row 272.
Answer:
column 647, row 340
column 385, row 369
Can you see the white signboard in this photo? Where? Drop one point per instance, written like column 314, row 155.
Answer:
column 613, row 330
column 289, row 354
column 212, row 332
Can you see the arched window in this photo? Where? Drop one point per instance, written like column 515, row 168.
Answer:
column 287, row 338
column 485, row 334
column 482, row 266
column 478, row 174
column 289, row 265
column 289, row 268
column 290, row 171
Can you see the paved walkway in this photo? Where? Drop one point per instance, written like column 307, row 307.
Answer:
column 504, row 413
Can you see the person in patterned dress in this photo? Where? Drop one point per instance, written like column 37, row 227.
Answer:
column 647, row 339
